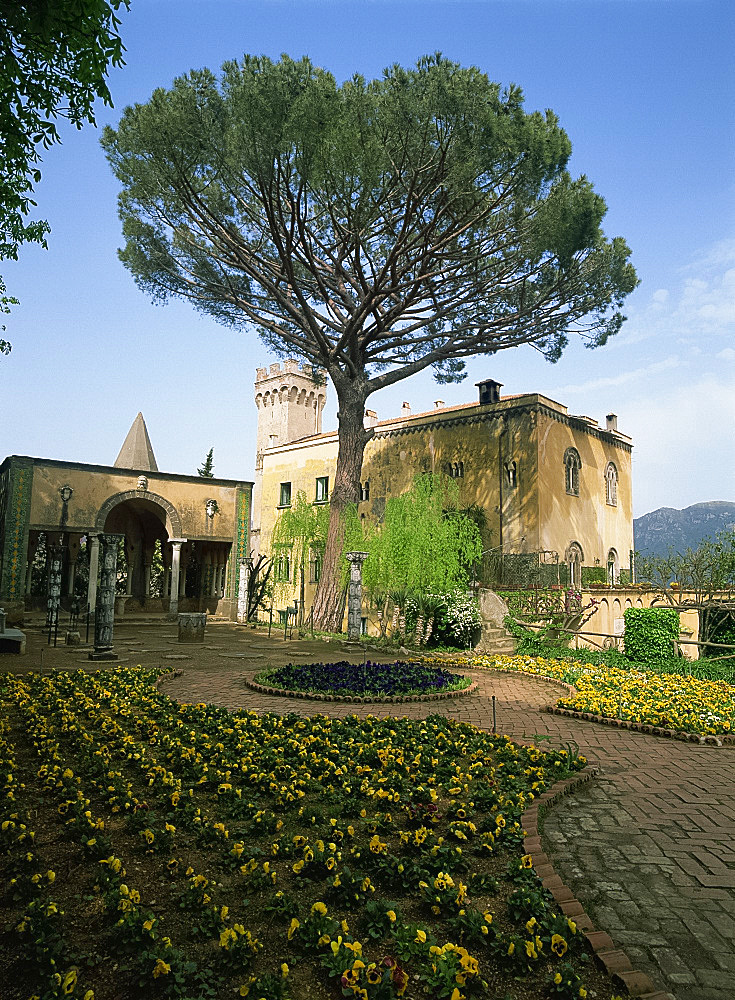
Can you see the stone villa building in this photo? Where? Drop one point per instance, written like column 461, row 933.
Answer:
column 555, row 487
column 194, row 524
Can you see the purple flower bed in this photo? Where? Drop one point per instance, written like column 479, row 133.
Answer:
column 384, row 679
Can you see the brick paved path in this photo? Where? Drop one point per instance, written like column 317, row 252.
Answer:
column 648, row 848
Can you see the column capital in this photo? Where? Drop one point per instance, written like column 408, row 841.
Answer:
column 356, row 557
column 110, row 537
column 177, row 541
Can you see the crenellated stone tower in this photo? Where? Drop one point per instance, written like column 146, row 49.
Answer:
column 290, row 400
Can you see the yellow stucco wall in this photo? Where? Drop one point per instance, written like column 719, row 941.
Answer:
column 586, row 519
column 611, row 607
column 93, row 486
column 530, row 430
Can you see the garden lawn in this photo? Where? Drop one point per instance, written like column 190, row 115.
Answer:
column 151, row 849
column 672, row 701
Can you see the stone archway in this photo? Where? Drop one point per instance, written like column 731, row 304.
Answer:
column 173, row 521
column 146, row 520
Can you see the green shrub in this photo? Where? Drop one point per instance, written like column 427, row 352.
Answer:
column 650, row 633
column 593, row 574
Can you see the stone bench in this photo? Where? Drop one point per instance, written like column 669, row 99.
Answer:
column 12, row 640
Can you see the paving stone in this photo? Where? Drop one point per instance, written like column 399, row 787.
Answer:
column 720, row 980
column 242, row 656
column 681, row 978
column 669, row 961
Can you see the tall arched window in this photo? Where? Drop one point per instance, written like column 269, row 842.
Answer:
column 572, row 465
column 611, row 484
column 574, row 558
column 613, row 568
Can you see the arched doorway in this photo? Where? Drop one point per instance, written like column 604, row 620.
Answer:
column 149, row 559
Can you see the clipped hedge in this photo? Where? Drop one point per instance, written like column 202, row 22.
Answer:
column 650, row 633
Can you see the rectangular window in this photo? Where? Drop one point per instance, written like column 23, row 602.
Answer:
column 315, row 569
column 283, row 569
column 285, row 495
column 363, row 626
column 322, row 489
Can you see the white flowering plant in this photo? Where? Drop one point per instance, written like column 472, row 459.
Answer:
column 458, row 620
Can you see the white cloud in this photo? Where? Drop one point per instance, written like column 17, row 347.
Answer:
column 702, row 306
column 683, row 451
column 624, row 378
column 727, row 355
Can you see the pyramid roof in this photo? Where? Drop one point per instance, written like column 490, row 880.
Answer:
column 137, row 451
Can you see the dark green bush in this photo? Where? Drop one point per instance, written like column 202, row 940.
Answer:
column 593, row 574
column 650, row 633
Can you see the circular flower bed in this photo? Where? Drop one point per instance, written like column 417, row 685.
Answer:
column 372, row 680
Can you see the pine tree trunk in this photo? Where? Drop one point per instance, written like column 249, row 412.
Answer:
column 328, row 604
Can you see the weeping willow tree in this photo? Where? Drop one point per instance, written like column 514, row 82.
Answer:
column 426, row 543
column 300, row 534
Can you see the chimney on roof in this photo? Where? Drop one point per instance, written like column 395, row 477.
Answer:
column 438, row 403
column 406, row 409
column 611, row 422
column 489, row 391
column 370, row 419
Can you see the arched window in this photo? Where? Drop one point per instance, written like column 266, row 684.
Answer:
column 511, row 474
column 611, row 484
column 574, row 558
column 572, row 465
column 613, row 567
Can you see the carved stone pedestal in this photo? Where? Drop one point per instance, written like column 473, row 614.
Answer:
column 354, row 595
column 192, row 626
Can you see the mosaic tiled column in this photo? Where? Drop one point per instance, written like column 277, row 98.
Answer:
column 15, row 505
column 53, row 600
column 104, row 619
column 354, row 595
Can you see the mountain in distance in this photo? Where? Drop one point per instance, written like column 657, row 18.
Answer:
column 663, row 529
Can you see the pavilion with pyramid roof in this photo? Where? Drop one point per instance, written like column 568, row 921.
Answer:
column 183, row 537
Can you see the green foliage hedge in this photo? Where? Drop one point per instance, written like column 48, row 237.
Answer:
column 650, row 633
column 593, row 574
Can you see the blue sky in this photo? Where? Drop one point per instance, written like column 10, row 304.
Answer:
column 645, row 90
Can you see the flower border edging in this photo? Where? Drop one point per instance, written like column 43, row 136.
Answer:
column 720, row 740
column 613, row 960
column 359, row 699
